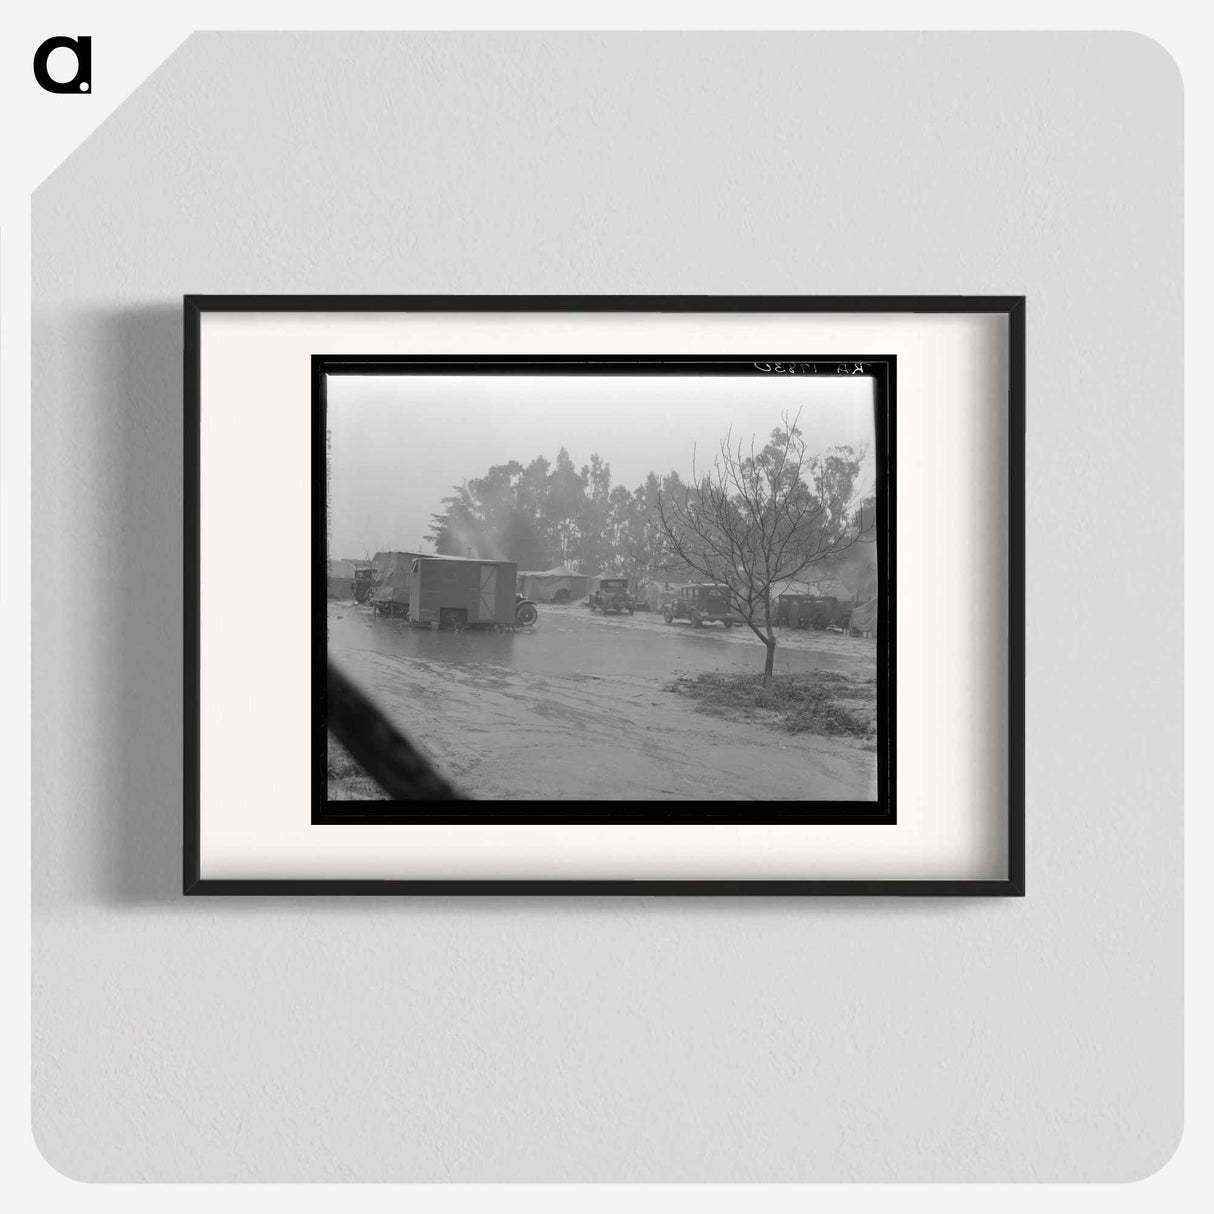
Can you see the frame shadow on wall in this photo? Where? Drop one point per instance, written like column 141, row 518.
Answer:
column 138, row 608
column 144, row 586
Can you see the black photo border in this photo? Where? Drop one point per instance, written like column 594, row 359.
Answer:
column 1011, row 306
column 881, row 369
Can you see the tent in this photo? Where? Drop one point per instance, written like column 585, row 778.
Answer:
column 832, row 588
column 559, row 585
column 864, row 618
column 790, row 586
column 341, row 578
column 809, row 583
column 392, row 581
column 655, row 595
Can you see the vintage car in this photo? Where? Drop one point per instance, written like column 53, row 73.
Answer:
column 701, row 604
column 610, row 594
column 525, row 611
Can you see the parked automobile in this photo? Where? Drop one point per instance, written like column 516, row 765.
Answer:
column 525, row 611
column 610, row 594
column 700, row 605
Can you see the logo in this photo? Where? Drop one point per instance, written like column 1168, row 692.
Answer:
column 82, row 81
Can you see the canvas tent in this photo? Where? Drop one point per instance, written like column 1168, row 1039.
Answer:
column 392, row 581
column 832, row 588
column 559, row 585
column 341, row 578
column 821, row 586
column 790, row 586
column 655, row 595
column 864, row 619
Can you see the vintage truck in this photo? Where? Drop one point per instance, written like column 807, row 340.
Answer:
column 610, row 594
column 701, row 604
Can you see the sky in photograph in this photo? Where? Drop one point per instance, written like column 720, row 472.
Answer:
column 398, row 443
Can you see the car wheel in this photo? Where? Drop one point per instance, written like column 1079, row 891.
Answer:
column 668, row 615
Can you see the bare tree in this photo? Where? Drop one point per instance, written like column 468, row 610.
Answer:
column 756, row 519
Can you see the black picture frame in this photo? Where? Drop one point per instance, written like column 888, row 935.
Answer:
column 1013, row 307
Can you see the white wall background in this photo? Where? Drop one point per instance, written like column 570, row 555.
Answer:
column 626, row 1039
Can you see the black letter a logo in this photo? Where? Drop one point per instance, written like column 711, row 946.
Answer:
column 82, row 48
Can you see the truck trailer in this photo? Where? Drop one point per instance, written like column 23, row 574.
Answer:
column 457, row 592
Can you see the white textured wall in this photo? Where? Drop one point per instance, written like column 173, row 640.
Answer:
column 627, row 1039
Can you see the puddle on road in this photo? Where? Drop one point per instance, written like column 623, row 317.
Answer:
column 572, row 641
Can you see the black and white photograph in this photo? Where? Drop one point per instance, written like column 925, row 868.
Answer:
column 603, row 580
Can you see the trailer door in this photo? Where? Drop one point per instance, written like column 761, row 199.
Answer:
column 488, row 603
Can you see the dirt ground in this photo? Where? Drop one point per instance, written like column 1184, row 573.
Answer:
column 520, row 719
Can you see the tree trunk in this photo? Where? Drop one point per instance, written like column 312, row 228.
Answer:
column 768, row 638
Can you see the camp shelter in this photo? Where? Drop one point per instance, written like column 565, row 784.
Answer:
column 559, row 585
column 864, row 618
column 392, row 581
column 832, row 588
column 814, row 581
column 655, row 595
column 458, row 592
column 790, row 586
column 341, row 579
column 794, row 598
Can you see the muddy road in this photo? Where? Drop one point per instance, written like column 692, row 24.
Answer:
column 575, row 707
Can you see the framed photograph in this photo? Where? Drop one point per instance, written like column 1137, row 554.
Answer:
column 684, row 595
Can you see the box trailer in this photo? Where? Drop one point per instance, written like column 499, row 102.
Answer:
column 455, row 592
column 814, row 611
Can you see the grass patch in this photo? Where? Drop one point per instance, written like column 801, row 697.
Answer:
column 819, row 701
column 348, row 779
